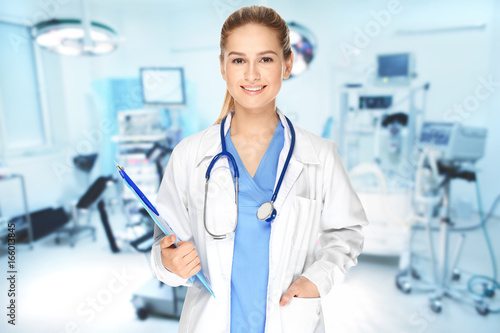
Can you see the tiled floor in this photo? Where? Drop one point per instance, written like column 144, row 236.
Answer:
column 88, row 289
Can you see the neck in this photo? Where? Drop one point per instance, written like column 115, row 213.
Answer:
column 253, row 123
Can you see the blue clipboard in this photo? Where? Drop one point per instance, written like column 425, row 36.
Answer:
column 160, row 221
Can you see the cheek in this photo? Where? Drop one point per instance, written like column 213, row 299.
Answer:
column 233, row 76
column 277, row 74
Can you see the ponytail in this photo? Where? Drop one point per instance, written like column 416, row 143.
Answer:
column 227, row 106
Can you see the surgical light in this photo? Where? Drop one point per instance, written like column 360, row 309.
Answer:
column 303, row 44
column 67, row 37
column 76, row 37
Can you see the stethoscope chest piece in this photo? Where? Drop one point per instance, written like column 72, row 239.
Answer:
column 266, row 212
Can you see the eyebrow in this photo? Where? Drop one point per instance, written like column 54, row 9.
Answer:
column 242, row 54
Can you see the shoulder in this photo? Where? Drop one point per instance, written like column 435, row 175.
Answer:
column 325, row 149
column 189, row 147
column 315, row 139
column 195, row 139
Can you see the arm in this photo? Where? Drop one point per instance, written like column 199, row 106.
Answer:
column 171, row 203
column 342, row 220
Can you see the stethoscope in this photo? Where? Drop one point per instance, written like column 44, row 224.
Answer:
column 266, row 211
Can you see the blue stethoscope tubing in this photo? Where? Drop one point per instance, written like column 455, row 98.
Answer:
column 268, row 217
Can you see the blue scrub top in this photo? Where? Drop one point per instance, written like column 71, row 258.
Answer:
column 251, row 245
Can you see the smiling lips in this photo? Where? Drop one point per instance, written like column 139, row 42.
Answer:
column 253, row 90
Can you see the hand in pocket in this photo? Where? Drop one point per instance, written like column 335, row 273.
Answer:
column 302, row 288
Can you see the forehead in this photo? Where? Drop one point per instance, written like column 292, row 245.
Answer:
column 253, row 38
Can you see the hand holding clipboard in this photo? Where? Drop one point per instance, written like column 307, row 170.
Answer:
column 160, row 221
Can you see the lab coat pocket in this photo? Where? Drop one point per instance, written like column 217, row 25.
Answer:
column 301, row 315
column 305, row 210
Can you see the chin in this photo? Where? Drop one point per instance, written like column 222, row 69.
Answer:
column 254, row 107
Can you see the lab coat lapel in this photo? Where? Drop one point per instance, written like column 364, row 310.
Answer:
column 291, row 175
column 221, row 178
column 209, row 147
column 219, row 252
column 302, row 153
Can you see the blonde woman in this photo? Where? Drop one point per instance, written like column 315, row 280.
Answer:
column 273, row 189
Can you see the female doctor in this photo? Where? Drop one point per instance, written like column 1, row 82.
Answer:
column 253, row 229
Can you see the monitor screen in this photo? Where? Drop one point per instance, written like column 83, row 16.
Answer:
column 393, row 65
column 436, row 133
column 163, row 87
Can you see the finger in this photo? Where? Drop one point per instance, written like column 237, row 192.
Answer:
column 185, row 246
column 184, row 250
column 193, row 263
column 190, row 256
column 192, row 268
column 291, row 292
column 167, row 241
column 195, row 270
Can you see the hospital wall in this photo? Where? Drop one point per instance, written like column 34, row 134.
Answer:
column 175, row 33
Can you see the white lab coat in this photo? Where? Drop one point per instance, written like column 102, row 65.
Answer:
column 316, row 198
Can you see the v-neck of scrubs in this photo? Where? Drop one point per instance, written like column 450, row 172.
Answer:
column 257, row 176
column 250, row 269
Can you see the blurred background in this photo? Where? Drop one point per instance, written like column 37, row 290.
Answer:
column 409, row 90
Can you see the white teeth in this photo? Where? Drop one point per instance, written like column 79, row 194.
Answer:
column 253, row 89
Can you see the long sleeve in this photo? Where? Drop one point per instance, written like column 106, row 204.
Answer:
column 172, row 205
column 341, row 224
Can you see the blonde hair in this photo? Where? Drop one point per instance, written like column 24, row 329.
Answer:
column 258, row 15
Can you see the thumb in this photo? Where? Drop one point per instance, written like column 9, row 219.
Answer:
column 288, row 295
column 168, row 241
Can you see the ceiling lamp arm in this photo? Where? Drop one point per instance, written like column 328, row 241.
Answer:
column 88, row 44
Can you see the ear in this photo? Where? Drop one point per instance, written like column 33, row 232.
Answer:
column 222, row 70
column 288, row 67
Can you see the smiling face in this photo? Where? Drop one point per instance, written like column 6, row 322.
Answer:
column 254, row 67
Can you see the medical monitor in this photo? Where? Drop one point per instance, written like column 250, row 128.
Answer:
column 394, row 68
column 454, row 141
column 163, row 87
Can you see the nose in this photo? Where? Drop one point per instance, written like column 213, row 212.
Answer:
column 252, row 72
